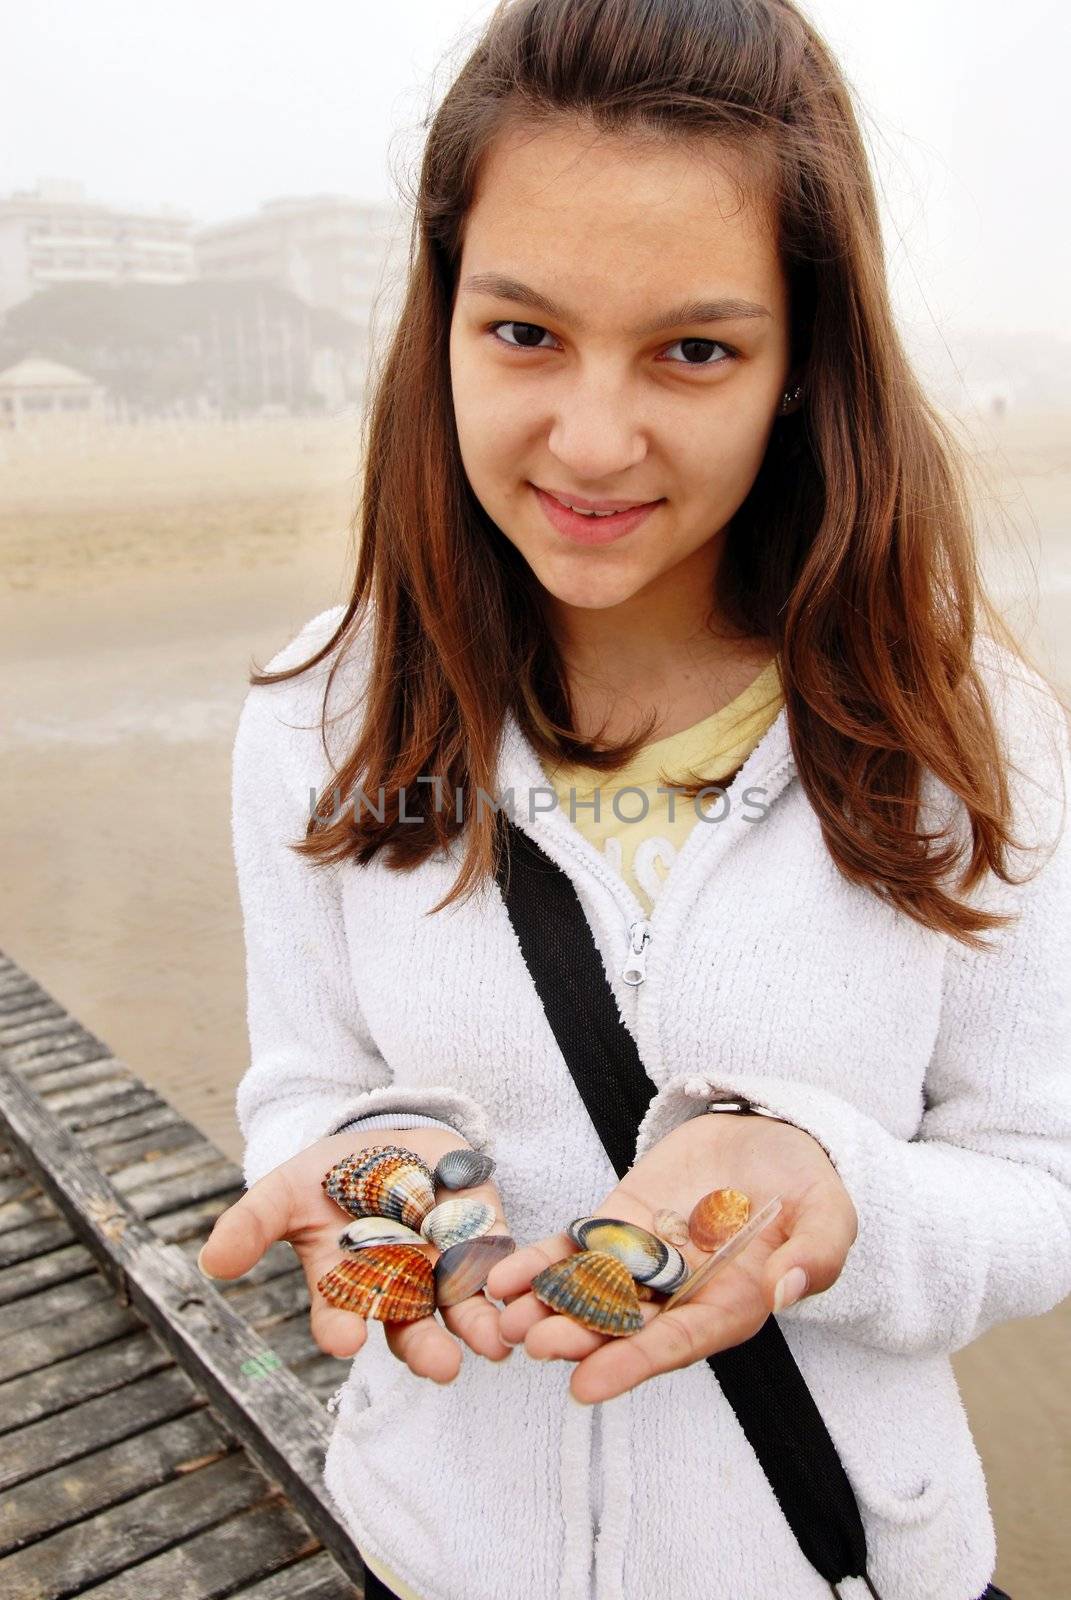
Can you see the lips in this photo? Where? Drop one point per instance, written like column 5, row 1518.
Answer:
column 592, row 530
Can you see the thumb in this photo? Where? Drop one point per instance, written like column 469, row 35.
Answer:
column 813, row 1256
column 241, row 1234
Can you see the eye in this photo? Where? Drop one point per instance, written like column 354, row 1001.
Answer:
column 526, row 327
column 695, row 348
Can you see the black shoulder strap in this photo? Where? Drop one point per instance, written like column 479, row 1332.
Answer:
column 759, row 1378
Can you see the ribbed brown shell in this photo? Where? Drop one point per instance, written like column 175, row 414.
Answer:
column 594, row 1289
column 386, row 1282
column 382, row 1181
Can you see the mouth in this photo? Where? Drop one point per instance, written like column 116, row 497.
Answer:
column 588, row 529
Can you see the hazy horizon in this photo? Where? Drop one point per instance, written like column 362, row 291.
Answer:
column 212, row 112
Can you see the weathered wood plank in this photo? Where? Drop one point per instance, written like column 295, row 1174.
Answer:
column 58, row 1078
column 266, row 1303
column 39, row 1446
column 131, row 1532
column 116, row 1083
column 135, row 1125
column 317, row 1578
column 62, row 1300
column 58, row 1266
column 38, row 1053
column 193, row 1221
column 17, row 1186
column 138, row 1174
column 81, row 1488
column 61, row 1027
column 270, row 1411
column 17, row 1009
column 33, row 1239
column 19, row 1213
column 95, row 1325
column 154, row 1142
column 82, row 1377
column 135, row 1098
column 213, row 1564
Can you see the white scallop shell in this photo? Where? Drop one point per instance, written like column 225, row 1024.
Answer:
column 454, row 1220
column 365, row 1231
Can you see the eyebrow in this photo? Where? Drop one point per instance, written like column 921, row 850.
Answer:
column 725, row 310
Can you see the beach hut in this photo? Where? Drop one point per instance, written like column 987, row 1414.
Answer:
column 38, row 392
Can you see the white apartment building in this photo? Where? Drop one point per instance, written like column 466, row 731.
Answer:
column 54, row 234
column 329, row 250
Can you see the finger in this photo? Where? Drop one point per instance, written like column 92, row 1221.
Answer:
column 825, row 1230
column 425, row 1347
column 242, row 1233
column 514, row 1273
column 338, row 1332
column 671, row 1339
column 477, row 1322
column 523, row 1313
column 559, row 1338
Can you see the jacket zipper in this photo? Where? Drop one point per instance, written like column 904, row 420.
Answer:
column 634, row 972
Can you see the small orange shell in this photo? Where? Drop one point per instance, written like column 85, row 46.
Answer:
column 593, row 1288
column 387, row 1282
column 716, row 1217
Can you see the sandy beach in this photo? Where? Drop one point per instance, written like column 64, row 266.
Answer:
column 142, row 571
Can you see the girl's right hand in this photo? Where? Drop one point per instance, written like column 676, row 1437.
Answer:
column 288, row 1203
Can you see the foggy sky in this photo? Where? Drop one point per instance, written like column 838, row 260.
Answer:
column 216, row 105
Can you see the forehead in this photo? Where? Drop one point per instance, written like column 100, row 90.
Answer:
column 618, row 218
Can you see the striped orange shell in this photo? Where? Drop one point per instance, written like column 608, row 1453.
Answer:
column 382, row 1180
column 716, row 1217
column 387, row 1282
column 593, row 1288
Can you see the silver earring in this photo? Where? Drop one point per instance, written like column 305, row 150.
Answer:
column 787, row 398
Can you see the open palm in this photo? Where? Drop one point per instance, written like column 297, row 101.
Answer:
column 815, row 1228
column 288, row 1203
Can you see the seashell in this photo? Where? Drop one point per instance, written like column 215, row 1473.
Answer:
column 649, row 1259
column 463, row 1268
column 454, row 1220
column 463, row 1169
column 644, row 1291
column 363, row 1231
column 593, row 1288
column 387, row 1282
column 384, row 1180
column 716, row 1217
column 672, row 1226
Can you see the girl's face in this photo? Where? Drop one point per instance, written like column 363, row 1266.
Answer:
column 620, row 332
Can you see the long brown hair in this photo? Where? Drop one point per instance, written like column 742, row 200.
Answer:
column 853, row 552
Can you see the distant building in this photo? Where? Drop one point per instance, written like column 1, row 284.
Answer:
column 35, row 391
column 332, row 252
column 54, row 235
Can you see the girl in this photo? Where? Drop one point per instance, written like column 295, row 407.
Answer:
column 652, row 495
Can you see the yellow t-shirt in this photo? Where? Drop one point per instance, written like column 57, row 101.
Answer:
column 641, row 831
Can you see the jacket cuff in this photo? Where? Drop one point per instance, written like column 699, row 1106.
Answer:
column 438, row 1107
column 395, row 1119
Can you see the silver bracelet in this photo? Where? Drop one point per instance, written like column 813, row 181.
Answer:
column 742, row 1106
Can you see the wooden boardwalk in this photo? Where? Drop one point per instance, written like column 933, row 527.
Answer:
column 158, row 1437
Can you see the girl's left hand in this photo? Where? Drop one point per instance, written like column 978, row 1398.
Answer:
column 814, row 1230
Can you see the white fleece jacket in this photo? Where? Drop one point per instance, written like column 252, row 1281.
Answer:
column 936, row 1078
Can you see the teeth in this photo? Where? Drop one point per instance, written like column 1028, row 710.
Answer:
column 580, row 513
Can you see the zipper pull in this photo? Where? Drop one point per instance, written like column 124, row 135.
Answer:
column 635, row 968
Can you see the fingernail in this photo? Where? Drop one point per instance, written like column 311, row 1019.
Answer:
column 789, row 1288
column 575, row 1400
column 201, row 1266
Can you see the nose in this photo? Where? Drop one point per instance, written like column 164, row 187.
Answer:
column 595, row 433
